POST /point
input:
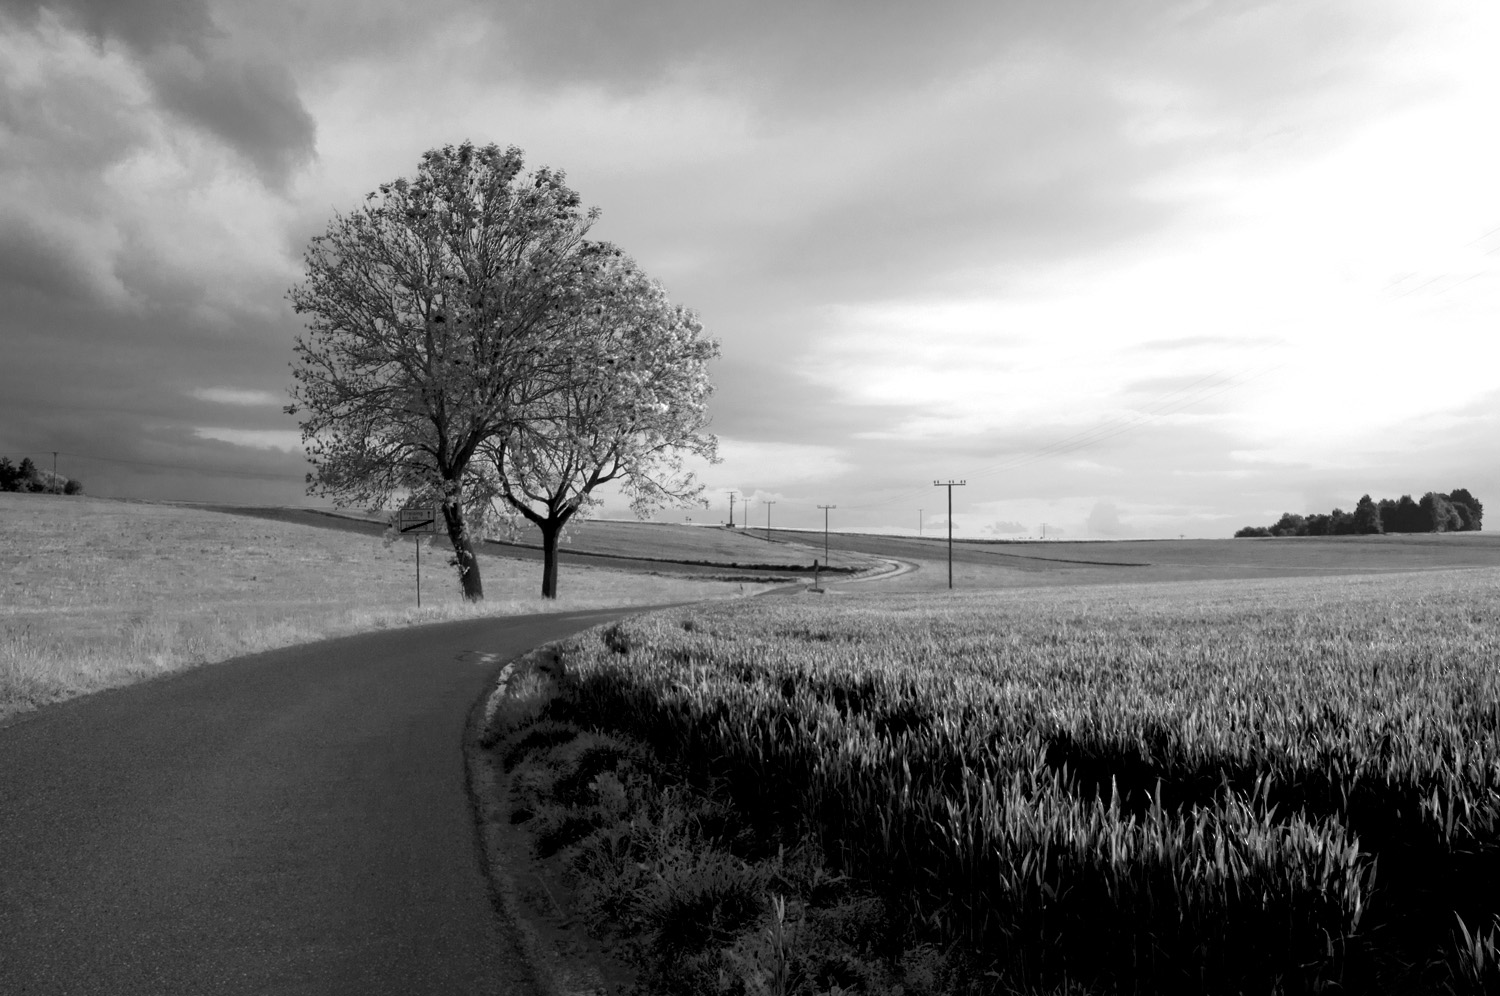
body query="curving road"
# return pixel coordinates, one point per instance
(292, 822)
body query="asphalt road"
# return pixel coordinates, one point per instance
(292, 822)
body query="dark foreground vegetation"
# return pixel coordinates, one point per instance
(1457, 512)
(29, 477)
(1286, 787)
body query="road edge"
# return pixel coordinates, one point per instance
(554, 972)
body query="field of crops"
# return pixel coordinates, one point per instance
(1254, 786)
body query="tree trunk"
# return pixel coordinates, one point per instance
(550, 532)
(463, 552)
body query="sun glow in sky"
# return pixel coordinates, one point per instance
(1130, 270)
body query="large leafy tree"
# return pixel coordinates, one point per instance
(626, 406)
(436, 317)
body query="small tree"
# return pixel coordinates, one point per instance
(1366, 516)
(1469, 508)
(1409, 517)
(28, 478)
(631, 399)
(433, 320)
(1439, 511)
(1290, 524)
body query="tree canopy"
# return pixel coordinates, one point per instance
(458, 350)
(1458, 511)
(629, 401)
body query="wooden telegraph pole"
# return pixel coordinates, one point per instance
(950, 485)
(825, 509)
(768, 520)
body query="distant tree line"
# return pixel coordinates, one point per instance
(1456, 512)
(29, 477)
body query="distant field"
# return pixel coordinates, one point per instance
(96, 592)
(1033, 564)
(673, 541)
(1275, 785)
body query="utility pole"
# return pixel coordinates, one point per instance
(919, 523)
(731, 509)
(54, 464)
(950, 485)
(825, 509)
(768, 520)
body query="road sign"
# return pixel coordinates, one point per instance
(417, 520)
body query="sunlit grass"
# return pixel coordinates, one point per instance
(96, 593)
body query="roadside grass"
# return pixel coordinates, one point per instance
(1287, 785)
(96, 593)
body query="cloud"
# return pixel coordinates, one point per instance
(1104, 520)
(237, 396)
(245, 100)
(285, 440)
(253, 108)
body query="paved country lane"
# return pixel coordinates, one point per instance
(291, 822)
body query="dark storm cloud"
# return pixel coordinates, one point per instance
(249, 103)
(35, 262)
(110, 389)
(141, 24)
(255, 109)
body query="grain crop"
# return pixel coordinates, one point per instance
(1220, 787)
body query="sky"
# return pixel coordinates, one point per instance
(1128, 269)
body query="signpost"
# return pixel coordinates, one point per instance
(418, 521)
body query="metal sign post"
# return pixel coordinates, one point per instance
(418, 521)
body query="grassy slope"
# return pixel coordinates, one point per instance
(98, 592)
(622, 538)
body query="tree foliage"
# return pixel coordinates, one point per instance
(1458, 511)
(435, 314)
(628, 403)
(468, 346)
(29, 477)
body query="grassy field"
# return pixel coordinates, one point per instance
(1283, 785)
(1033, 564)
(712, 544)
(98, 592)
(675, 542)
